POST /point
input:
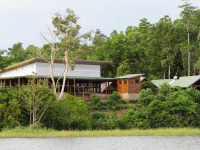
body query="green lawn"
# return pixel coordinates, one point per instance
(26, 132)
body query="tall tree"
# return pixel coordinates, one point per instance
(17, 53)
(67, 29)
(4, 60)
(187, 15)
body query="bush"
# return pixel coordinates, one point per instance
(171, 107)
(95, 99)
(69, 113)
(124, 122)
(165, 89)
(122, 101)
(146, 96)
(36, 125)
(115, 97)
(133, 101)
(11, 114)
(148, 85)
(194, 94)
(102, 121)
(118, 107)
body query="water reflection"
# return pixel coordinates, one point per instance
(103, 143)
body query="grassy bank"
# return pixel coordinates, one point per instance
(26, 132)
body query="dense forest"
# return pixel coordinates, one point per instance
(160, 50)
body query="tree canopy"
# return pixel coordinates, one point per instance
(159, 50)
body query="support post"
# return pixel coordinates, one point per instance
(15, 84)
(74, 87)
(4, 83)
(58, 87)
(22, 81)
(1, 84)
(10, 83)
(100, 88)
(67, 85)
(19, 82)
(106, 87)
(89, 87)
(122, 88)
(83, 92)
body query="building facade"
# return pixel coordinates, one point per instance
(83, 80)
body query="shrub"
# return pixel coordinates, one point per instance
(118, 107)
(115, 97)
(11, 114)
(69, 113)
(95, 99)
(165, 89)
(103, 121)
(36, 125)
(134, 119)
(122, 101)
(133, 101)
(194, 94)
(146, 96)
(124, 122)
(148, 85)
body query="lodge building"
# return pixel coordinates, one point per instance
(83, 81)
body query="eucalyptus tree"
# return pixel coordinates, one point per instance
(67, 30)
(187, 19)
(167, 41)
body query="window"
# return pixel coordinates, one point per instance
(120, 82)
(96, 87)
(124, 81)
(136, 81)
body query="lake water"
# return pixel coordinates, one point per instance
(103, 143)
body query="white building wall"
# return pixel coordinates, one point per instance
(21, 71)
(80, 70)
(43, 69)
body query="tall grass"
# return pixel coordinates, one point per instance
(27, 132)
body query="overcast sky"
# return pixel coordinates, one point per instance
(24, 20)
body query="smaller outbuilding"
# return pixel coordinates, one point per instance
(184, 82)
(129, 85)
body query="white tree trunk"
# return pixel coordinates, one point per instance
(188, 50)
(65, 73)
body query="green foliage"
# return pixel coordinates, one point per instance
(36, 126)
(165, 89)
(103, 121)
(194, 94)
(37, 98)
(69, 113)
(171, 107)
(133, 101)
(114, 102)
(17, 53)
(115, 97)
(10, 113)
(146, 96)
(145, 85)
(95, 99)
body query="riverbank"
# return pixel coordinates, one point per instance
(26, 132)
